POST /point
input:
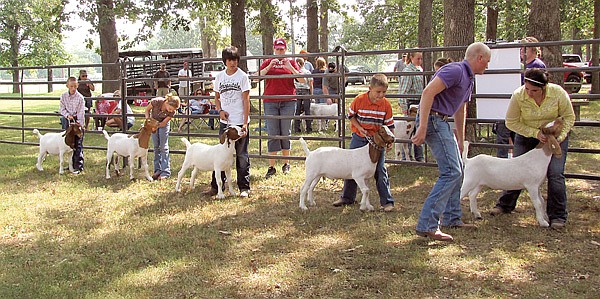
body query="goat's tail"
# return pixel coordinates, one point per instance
(186, 142)
(304, 146)
(465, 153)
(105, 134)
(35, 131)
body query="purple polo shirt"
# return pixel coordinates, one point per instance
(458, 79)
(536, 63)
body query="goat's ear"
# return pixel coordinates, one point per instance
(374, 153)
(554, 146)
(222, 137)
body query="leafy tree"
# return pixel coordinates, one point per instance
(168, 38)
(30, 34)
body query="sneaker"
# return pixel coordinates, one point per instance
(156, 175)
(342, 202)
(557, 224)
(244, 193)
(495, 211)
(270, 172)
(76, 172)
(387, 208)
(285, 168)
(162, 177)
(211, 192)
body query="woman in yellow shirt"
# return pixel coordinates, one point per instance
(532, 105)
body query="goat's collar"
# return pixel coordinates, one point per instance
(373, 143)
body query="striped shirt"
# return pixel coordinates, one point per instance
(410, 84)
(74, 105)
(370, 115)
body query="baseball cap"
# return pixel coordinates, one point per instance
(331, 65)
(279, 43)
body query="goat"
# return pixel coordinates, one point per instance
(58, 144)
(135, 146)
(526, 171)
(218, 158)
(324, 110)
(404, 129)
(336, 163)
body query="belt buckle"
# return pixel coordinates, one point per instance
(445, 118)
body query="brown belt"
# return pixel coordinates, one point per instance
(442, 115)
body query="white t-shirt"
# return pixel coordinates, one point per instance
(230, 89)
(182, 72)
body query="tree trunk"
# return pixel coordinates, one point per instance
(425, 29)
(596, 48)
(109, 46)
(312, 28)
(491, 28)
(324, 28)
(14, 58)
(209, 47)
(575, 33)
(238, 29)
(459, 30)
(544, 24)
(266, 26)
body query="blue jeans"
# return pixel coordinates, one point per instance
(160, 138)
(417, 150)
(78, 150)
(381, 177)
(557, 191)
(242, 163)
(279, 127)
(503, 136)
(443, 202)
(318, 100)
(303, 105)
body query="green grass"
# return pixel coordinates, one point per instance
(87, 237)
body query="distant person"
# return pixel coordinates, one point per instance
(331, 85)
(447, 95)
(72, 109)
(307, 64)
(318, 81)
(116, 121)
(412, 85)
(184, 85)
(85, 88)
(162, 84)
(400, 65)
(303, 105)
(441, 62)
(278, 106)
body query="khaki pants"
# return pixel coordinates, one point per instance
(162, 91)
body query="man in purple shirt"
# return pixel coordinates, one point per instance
(447, 95)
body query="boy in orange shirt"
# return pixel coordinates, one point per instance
(367, 113)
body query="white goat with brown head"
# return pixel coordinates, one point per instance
(58, 144)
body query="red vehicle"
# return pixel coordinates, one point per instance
(573, 79)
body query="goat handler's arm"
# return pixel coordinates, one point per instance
(433, 88)
(165, 121)
(459, 120)
(223, 115)
(246, 115)
(148, 109)
(355, 123)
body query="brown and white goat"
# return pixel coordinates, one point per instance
(526, 171)
(336, 163)
(135, 146)
(206, 157)
(58, 144)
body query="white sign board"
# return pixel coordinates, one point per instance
(490, 108)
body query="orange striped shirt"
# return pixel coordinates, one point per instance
(370, 115)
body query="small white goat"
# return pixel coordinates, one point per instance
(526, 171)
(58, 144)
(324, 110)
(337, 163)
(135, 146)
(404, 129)
(218, 157)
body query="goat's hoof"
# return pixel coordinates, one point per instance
(303, 208)
(477, 216)
(544, 224)
(221, 196)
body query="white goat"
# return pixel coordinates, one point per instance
(135, 146)
(58, 144)
(218, 157)
(324, 110)
(526, 171)
(403, 130)
(337, 163)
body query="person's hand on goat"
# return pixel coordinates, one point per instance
(541, 137)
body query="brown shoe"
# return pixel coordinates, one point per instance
(387, 208)
(156, 175)
(436, 235)
(495, 211)
(211, 192)
(462, 225)
(557, 224)
(342, 202)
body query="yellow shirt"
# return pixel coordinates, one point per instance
(525, 117)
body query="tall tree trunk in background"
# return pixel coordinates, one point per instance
(459, 30)
(14, 59)
(312, 28)
(510, 35)
(575, 34)
(544, 24)
(324, 27)
(238, 29)
(596, 48)
(208, 46)
(266, 26)
(491, 28)
(425, 29)
(109, 46)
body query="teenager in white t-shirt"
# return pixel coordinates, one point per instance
(186, 73)
(232, 100)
